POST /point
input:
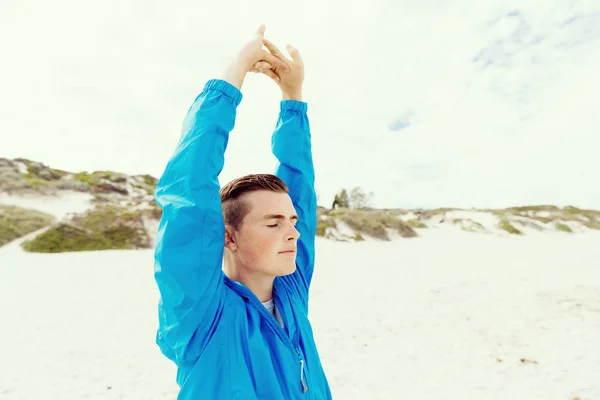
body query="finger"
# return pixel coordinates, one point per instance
(294, 53)
(272, 48)
(271, 74)
(263, 65)
(259, 66)
(274, 61)
(276, 52)
(261, 30)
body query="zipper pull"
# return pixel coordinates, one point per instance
(304, 387)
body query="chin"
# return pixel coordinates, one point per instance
(287, 270)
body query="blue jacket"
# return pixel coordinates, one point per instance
(224, 342)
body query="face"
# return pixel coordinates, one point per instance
(266, 241)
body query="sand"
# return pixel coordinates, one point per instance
(448, 315)
(61, 205)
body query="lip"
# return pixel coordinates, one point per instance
(288, 252)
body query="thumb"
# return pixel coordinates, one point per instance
(260, 32)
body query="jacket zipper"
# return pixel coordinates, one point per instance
(302, 381)
(274, 325)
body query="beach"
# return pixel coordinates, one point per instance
(445, 315)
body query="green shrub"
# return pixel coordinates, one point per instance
(562, 227)
(103, 228)
(543, 220)
(150, 180)
(373, 222)
(504, 224)
(37, 182)
(358, 237)
(16, 222)
(434, 212)
(529, 224)
(415, 223)
(323, 224)
(525, 209)
(472, 226)
(84, 177)
(592, 224)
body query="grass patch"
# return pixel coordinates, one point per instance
(590, 214)
(155, 211)
(415, 223)
(563, 228)
(525, 209)
(84, 177)
(468, 225)
(581, 211)
(472, 226)
(543, 220)
(591, 224)
(36, 170)
(440, 210)
(508, 227)
(16, 222)
(111, 176)
(149, 180)
(59, 172)
(103, 228)
(358, 237)
(529, 224)
(373, 223)
(148, 189)
(323, 224)
(36, 182)
(436, 211)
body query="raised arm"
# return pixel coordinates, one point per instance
(190, 238)
(291, 145)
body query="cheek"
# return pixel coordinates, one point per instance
(259, 248)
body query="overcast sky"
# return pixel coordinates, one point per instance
(500, 100)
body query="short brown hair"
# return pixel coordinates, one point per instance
(234, 207)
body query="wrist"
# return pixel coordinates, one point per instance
(235, 73)
(292, 95)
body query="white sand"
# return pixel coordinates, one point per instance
(424, 318)
(68, 202)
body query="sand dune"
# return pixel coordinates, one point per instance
(445, 316)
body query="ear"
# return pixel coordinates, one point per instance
(229, 239)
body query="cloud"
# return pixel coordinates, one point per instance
(106, 86)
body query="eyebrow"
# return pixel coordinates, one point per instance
(279, 216)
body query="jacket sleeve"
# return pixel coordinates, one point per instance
(190, 238)
(291, 145)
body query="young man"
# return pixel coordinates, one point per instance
(234, 265)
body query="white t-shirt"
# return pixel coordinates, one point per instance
(270, 306)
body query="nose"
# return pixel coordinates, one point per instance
(293, 233)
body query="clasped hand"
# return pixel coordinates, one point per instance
(287, 73)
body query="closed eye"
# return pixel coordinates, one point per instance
(279, 217)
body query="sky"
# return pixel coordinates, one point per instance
(497, 101)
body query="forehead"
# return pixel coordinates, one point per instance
(264, 202)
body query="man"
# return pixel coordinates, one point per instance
(234, 265)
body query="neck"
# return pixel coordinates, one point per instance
(259, 284)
